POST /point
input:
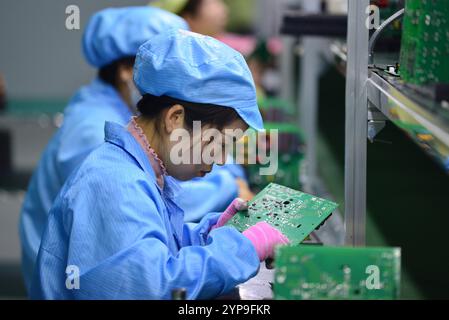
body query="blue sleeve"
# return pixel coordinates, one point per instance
(120, 238)
(196, 234)
(147, 270)
(212, 193)
(236, 170)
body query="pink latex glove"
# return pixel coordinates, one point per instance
(236, 206)
(264, 238)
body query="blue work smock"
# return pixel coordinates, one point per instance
(127, 239)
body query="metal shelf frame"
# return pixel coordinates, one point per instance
(415, 114)
(356, 123)
(373, 97)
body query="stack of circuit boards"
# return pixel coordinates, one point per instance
(425, 42)
(330, 273)
(294, 213)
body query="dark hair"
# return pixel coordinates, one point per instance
(109, 73)
(216, 116)
(191, 8)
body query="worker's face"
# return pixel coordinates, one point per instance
(191, 153)
(127, 88)
(211, 19)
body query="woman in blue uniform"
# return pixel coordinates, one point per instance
(116, 229)
(110, 43)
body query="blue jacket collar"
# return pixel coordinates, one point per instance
(119, 136)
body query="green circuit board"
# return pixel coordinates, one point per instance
(425, 42)
(291, 148)
(287, 174)
(294, 213)
(309, 272)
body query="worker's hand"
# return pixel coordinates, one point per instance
(244, 191)
(236, 206)
(265, 238)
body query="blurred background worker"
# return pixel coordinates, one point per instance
(208, 17)
(212, 17)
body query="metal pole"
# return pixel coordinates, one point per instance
(308, 96)
(288, 90)
(308, 101)
(356, 123)
(287, 62)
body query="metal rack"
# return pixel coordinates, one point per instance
(412, 109)
(373, 97)
(423, 119)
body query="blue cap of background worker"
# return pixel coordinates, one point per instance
(199, 69)
(117, 33)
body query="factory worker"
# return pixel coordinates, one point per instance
(115, 227)
(110, 43)
(208, 17)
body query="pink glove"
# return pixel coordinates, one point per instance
(236, 206)
(264, 238)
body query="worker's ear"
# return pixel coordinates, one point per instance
(174, 118)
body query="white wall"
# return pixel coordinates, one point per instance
(39, 57)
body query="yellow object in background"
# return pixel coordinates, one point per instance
(174, 6)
